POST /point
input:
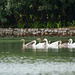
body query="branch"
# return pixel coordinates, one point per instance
(19, 14)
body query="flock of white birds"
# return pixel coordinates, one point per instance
(46, 44)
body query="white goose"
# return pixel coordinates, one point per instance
(26, 45)
(34, 44)
(70, 43)
(37, 46)
(52, 45)
(63, 45)
(40, 45)
(46, 44)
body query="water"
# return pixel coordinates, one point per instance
(16, 61)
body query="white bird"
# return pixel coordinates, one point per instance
(52, 45)
(71, 44)
(40, 45)
(46, 44)
(34, 44)
(37, 46)
(63, 45)
(26, 45)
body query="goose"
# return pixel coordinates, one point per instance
(26, 45)
(40, 45)
(37, 46)
(46, 44)
(52, 45)
(64, 45)
(34, 44)
(70, 43)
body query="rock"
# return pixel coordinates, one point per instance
(24, 32)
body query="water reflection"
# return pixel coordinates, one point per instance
(14, 60)
(71, 47)
(53, 49)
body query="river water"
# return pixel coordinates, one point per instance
(16, 61)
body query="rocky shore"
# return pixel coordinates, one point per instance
(24, 32)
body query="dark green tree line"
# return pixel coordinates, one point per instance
(37, 13)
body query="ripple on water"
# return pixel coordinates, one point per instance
(39, 67)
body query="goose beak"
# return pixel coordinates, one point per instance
(37, 39)
(69, 40)
(21, 40)
(33, 41)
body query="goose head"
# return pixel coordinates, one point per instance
(23, 40)
(70, 41)
(45, 39)
(39, 40)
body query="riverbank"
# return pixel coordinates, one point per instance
(31, 32)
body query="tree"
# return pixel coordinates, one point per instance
(37, 13)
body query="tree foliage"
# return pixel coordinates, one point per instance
(37, 13)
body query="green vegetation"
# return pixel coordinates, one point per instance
(37, 13)
(28, 39)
